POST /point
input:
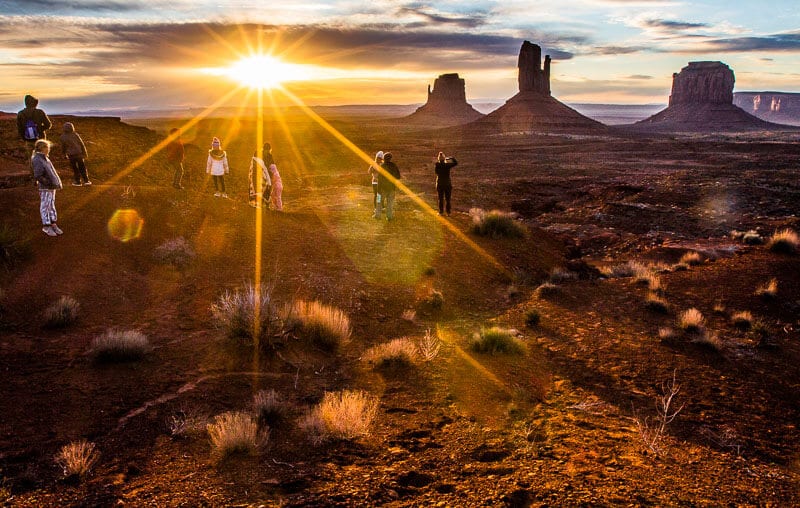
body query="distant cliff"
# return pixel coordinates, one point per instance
(447, 104)
(780, 107)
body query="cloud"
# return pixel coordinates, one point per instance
(617, 50)
(473, 20)
(49, 6)
(789, 41)
(639, 76)
(672, 26)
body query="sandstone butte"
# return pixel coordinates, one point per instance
(446, 105)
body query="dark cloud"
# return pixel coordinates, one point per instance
(617, 50)
(777, 42)
(639, 76)
(61, 6)
(435, 18)
(671, 25)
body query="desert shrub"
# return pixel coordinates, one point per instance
(768, 289)
(185, 423)
(691, 258)
(546, 289)
(532, 318)
(752, 238)
(235, 313)
(719, 309)
(496, 340)
(76, 459)
(429, 271)
(62, 313)
(680, 267)
(495, 224)
(429, 346)
(691, 320)
(13, 246)
(270, 407)
(433, 301)
(742, 320)
(235, 432)
(707, 339)
(320, 325)
(120, 346)
(666, 334)
(560, 275)
(628, 269)
(656, 303)
(784, 241)
(393, 355)
(177, 252)
(340, 415)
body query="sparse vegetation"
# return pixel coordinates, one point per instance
(547, 289)
(719, 309)
(768, 290)
(235, 433)
(785, 241)
(742, 320)
(270, 407)
(77, 459)
(177, 252)
(496, 340)
(561, 275)
(235, 312)
(396, 354)
(532, 318)
(433, 301)
(340, 415)
(62, 313)
(320, 325)
(680, 267)
(653, 430)
(630, 268)
(691, 320)
(656, 303)
(691, 258)
(666, 334)
(752, 238)
(184, 423)
(429, 346)
(120, 346)
(409, 315)
(707, 339)
(495, 224)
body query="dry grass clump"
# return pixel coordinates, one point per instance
(655, 303)
(235, 312)
(76, 459)
(320, 325)
(691, 258)
(429, 346)
(784, 241)
(235, 433)
(495, 224)
(496, 340)
(532, 318)
(680, 267)
(177, 252)
(270, 407)
(561, 275)
(340, 415)
(397, 354)
(666, 334)
(409, 315)
(62, 313)
(547, 289)
(186, 423)
(433, 301)
(706, 339)
(691, 321)
(742, 320)
(751, 237)
(719, 309)
(120, 346)
(768, 289)
(628, 269)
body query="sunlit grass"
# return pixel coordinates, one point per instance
(235, 433)
(495, 224)
(120, 346)
(63, 312)
(320, 325)
(785, 241)
(77, 458)
(343, 415)
(396, 354)
(235, 312)
(691, 320)
(496, 340)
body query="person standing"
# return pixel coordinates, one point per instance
(258, 169)
(75, 151)
(32, 122)
(444, 186)
(387, 184)
(48, 181)
(276, 191)
(175, 156)
(373, 172)
(217, 167)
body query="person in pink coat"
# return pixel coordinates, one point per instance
(275, 177)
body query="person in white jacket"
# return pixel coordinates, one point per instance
(258, 169)
(217, 167)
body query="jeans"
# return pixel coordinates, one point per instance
(219, 183)
(444, 192)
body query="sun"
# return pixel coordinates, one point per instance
(266, 71)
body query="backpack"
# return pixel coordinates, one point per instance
(31, 132)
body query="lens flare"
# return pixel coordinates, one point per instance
(125, 225)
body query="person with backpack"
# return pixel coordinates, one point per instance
(48, 181)
(75, 152)
(32, 122)
(217, 167)
(386, 185)
(444, 186)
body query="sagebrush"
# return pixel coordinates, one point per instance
(235, 433)
(496, 224)
(77, 458)
(236, 311)
(341, 415)
(62, 313)
(120, 346)
(318, 324)
(496, 340)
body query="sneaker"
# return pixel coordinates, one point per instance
(87, 182)
(57, 229)
(217, 194)
(224, 195)
(48, 230)
(178, 186)
(76, 184)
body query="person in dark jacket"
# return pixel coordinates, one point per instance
(444, 186)
(32, 123)
(175, 156)
(386, 185)
(48, 181)
(75, 152)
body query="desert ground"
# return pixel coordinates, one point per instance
(569, 419)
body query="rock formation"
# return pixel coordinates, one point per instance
(778, 107)
(533, 109)
(702, 100)
(447, 103)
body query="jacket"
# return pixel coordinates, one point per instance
(32, 113)
(72, 144)
(384, 183)
(257, 166)
(442, 170)
(175, 151)
(44, 172)
(217, 163)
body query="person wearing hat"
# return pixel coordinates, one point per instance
(217, 167)
(373, 172)
(386, 185)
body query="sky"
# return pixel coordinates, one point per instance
(79, 55)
